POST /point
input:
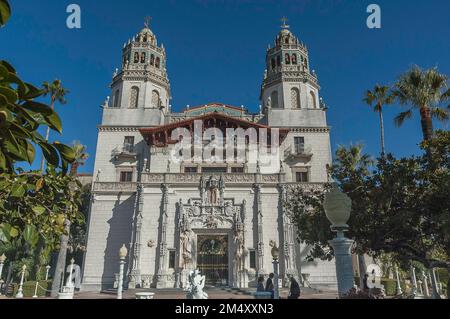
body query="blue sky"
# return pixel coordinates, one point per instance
(216, 53)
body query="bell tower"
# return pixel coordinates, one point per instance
(289, 83)
(141, 87)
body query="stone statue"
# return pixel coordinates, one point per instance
(75, 278)
(195, 286)
(269, 102)
(187, 246)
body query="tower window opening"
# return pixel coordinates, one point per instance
(116, 99)
(157, 62)
(286, 40)
(294, 59)
(152, 59)
(274, 99)
(134, 97)
(273, 63)
(155, 99)
(312, 100)
(295, 98)
(287, 58)
(136, 57)
(143, 57)
(278, 60)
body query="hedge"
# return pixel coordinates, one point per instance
(30, 286)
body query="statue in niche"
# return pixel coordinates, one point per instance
(229, 211)
(213, 191)
(269, 102)
(196, 211)
(186, 244)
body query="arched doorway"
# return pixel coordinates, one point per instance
(212, 258)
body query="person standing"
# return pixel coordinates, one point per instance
(260, 287)
(294, 291)
(269, 285)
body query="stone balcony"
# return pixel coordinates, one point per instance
(298, 152)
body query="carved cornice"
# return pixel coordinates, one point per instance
(118, 128)
(311, 130)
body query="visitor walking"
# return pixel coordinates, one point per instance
(269, 285)
(294, 291)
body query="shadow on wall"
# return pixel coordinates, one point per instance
(120, 230)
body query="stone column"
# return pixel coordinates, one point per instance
(425, 284)
(135, 279)
(288, 242)
(414, 280)
(162, 267)
(434, 285)
(260, 265)
(344, 265)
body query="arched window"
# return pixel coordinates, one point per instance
(286, 40)
(145, 38)
(274, 99)
(295, 98)
(157, 62)
(312, 100)
(116, 99)
(294, 59)
(152, 59)
(278, 60)
(287, 58)
(136, 57)
(143, 57)
(155, 99)
(273, 63)
(134, 97)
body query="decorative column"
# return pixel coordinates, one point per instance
(162, 267)
(47, 270)
(337, 207)
(134, 273)
(434, 285)
(275, 255)
(261, 270)
(122, 255)
(19, 294)
(290, 268)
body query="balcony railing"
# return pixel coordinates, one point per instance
(125, 150)
(298, 151)
(114, 187)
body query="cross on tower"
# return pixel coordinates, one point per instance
(147, 21)
(284, 25)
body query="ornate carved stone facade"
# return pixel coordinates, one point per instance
(216, 217)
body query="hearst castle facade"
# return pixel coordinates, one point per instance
(219, 218)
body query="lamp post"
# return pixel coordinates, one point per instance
(19, 294)
(2, 262)
(123, 252)
(337, 207)
(275, 254)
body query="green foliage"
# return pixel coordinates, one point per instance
(5, 12)
(20, 119)
(399, 206)
(390, 286)
(30, 286)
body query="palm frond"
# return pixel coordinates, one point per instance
(440, 114)
(402, 117)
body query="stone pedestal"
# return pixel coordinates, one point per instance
(344, 266)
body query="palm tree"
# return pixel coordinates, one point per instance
(423, 90)
(379, 97)
(80, 157)
(57, 94)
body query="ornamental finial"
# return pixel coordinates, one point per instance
(284, 25)
(147, 21)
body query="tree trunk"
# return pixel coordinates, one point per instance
(47, 136)
(61, 263)
(383, 150)
(74, 169)
(427, 123)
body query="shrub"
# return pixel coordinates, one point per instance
(390, 286)
(30, 286)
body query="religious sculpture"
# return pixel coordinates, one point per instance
(195, 286)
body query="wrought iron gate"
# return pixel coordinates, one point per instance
(212, 259)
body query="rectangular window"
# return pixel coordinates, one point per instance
(238, 170)
(299, 144)
(301, 177)
(126, 177)
(172, 259)
(209, 170)
(252, 254)
(128, 143)
(190, 170)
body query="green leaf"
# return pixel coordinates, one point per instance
(9, 94)
(31, 152)
(2, 160)
(3, 237)
(50, 153)
(30, 235)
(54, 122)
(13, 232)
(39, 210)
(37, 107)
(8, 66)
(5, 12)
(4, 74)
(65, 151)
(20, 153)
(32, 92)
(17, 190)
